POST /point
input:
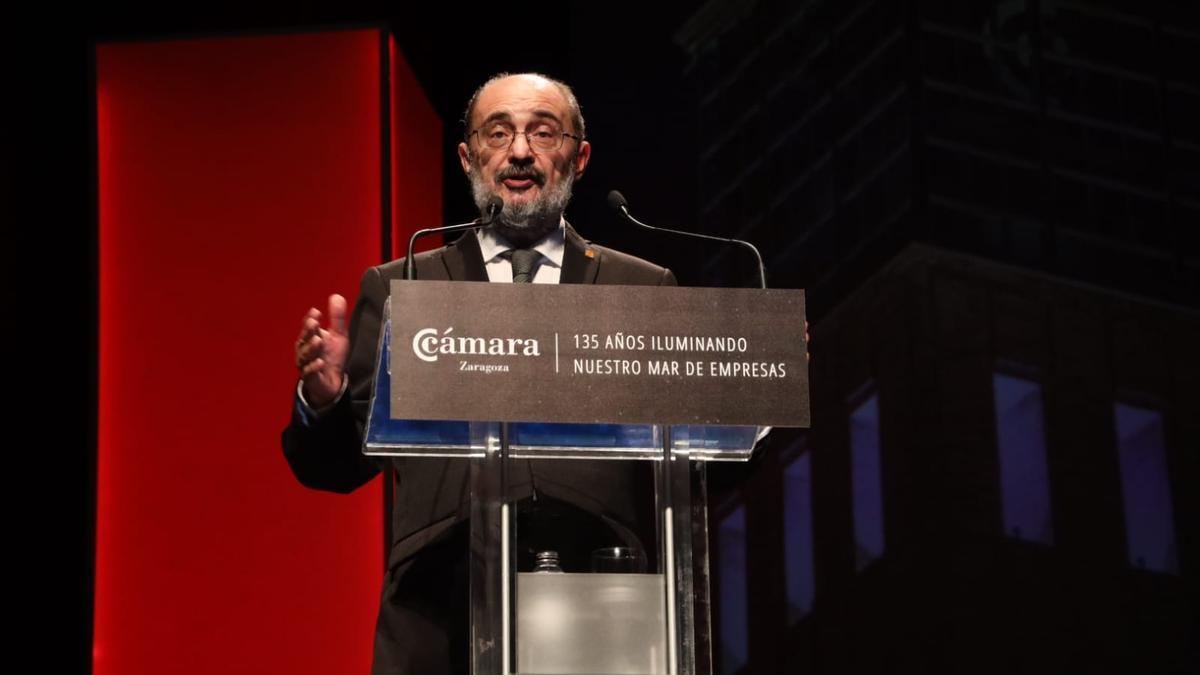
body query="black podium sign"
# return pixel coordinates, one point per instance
(598, 354)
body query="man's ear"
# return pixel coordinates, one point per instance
(464, 157)
(582, 157)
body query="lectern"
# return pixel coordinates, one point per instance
(619, 618)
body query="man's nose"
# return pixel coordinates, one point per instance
(519, 148)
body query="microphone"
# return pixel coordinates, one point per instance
(617, 201)
(494, 206)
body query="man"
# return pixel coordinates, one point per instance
(525, 143)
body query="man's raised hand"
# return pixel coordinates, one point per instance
(321, 353)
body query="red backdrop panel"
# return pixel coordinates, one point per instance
(239, 183)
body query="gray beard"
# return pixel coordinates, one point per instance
(524, 224)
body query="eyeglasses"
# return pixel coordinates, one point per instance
(542, 138)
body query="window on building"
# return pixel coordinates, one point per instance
(1024, 477)
(1149, 521)
(798, 537)
(866, 482)
(731, 568)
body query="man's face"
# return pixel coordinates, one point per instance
(534, 185)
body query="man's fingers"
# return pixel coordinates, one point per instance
(308, 327)
(337, 314)
(308, 350)
(310, 344)
(312, 367)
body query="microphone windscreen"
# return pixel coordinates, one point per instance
(494, 206)
(617, 200)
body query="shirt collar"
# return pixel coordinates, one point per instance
(492, 245)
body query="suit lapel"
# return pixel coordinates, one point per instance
(463, 260)
(581, 262)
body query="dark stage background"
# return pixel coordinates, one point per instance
(994, 206)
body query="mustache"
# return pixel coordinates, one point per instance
(521, 172)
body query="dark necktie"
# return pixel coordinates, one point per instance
(523, 262)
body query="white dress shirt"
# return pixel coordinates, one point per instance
(499, 267)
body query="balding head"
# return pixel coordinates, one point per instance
(536, 79)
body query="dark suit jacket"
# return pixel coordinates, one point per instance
(431, 494)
